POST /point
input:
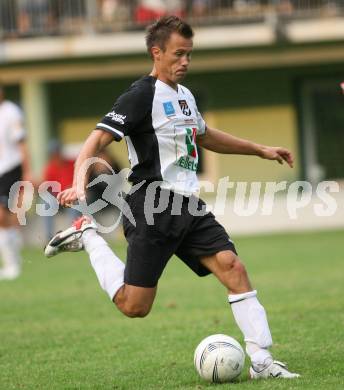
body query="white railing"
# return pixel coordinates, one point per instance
(27, 18)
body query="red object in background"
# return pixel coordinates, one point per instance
(342, 86)
(145, 15)
(61, 171)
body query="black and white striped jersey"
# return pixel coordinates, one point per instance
(160, 125)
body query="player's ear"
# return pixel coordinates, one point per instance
(156, 52)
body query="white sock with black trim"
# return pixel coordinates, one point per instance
(108, 267)
(251, 318)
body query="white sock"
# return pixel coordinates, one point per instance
(10, 251)
(250, 316)
(108, 267)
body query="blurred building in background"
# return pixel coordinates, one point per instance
(268, 70)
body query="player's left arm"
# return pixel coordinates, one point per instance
(221, 142)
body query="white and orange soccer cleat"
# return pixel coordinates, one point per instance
(69, 240)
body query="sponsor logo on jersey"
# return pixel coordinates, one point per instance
(184, 107)
(190, 161)
(190, 141)
(169, 109)
(116, 117)
(187, 163)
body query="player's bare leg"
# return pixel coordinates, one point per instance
(248, 313)
(4, 217)
(135, 301)
(131, 300)
(226, 266)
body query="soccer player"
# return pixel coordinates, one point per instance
(161, 124)
(14, 166)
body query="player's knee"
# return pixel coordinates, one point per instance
(239, 267)
(229, 261)
(136, 310)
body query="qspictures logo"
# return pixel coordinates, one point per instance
(241, 198)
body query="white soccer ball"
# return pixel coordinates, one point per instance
(219, 358)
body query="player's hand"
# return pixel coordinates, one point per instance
(279, 154)
(70, 196)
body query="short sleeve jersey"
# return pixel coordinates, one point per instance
(160, 125)
(11, 132)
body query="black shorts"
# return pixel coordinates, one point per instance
(151, 246)
(6, 182)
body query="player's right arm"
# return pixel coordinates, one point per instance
(96, 142)
(124, 119)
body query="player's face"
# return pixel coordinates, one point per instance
(172, 63)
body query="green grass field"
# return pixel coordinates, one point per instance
(58, 329)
